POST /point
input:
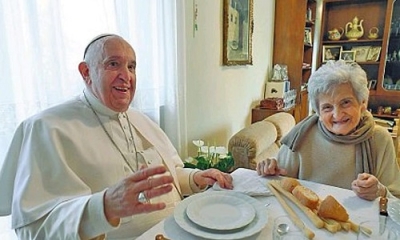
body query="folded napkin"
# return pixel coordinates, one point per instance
(248, 182)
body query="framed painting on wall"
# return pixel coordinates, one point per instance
(237, 32)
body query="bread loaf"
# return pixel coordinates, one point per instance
(331, 208)
(306, 196)
(289, 183)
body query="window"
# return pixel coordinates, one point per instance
(42, 44)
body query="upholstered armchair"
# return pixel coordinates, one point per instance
(260, 140)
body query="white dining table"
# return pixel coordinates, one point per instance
(358, 209)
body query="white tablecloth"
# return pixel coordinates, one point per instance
(358, 209)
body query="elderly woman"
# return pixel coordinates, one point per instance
(340, 144)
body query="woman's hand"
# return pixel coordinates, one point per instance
(210, 176)
(367, 186)
(270, 167)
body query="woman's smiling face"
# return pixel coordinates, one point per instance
(340, 111)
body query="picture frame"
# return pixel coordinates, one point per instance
(361, 53)
(373, 53)
(372, 84)
(237, 32)
(331, 52)
(308, 36)
(348, 56)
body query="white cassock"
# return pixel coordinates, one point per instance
(61, 161)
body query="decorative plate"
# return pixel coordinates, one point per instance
(220, 212)
(252, 228)
(394, 210)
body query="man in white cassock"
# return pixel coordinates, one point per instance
(92, 167)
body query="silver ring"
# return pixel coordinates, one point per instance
(142, 198)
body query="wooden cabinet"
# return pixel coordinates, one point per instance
(372, 15)
(259, 114)
(293, 46)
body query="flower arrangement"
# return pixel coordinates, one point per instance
(210, 157)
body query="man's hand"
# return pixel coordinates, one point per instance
(367, 186)
(212, 175)
(269, 167)
(121, 200)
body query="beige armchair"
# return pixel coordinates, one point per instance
(260, 140)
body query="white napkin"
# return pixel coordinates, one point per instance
(247, 182)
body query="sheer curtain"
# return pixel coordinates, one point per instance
(42, 42)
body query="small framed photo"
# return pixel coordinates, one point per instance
(308, 36)
(373, 53)
(348, 56)
(331, 52)
(361, 53)
(372, 84)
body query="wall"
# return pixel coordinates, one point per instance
(219, 98)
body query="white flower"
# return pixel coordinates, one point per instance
(210, 151)
(198, 143)
(221, 150)
(191, 160)
(204, 149)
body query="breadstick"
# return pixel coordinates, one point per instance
(318, 223)
(331, 225)
(334, 222)
(296, 220)
(345, 225)
(356, 228)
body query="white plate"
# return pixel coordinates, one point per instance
(220, 212)
(252, 228)
(394, 210)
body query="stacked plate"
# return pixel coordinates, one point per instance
(221, 215)
(394, 210)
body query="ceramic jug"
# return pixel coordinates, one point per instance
(373, 33)
(335, 34)
(354, 29)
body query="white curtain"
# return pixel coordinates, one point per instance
(42, 42)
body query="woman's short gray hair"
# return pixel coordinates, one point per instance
(334, 73)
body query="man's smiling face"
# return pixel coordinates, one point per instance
(113, 79)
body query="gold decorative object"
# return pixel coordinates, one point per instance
(335, 34)
(354, 29)
(373, 33)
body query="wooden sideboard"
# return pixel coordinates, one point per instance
(258, 114)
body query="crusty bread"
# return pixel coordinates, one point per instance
(289, 183)
(331, 208)
(306, 196)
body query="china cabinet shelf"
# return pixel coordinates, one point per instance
(371, 15)
(385, 116)
(356, 42)
(310, 23)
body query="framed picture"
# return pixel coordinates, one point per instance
(361, 53)
(373, 53)
(308, 36)
(372, 84)
(331, 52)
(237, 32)
(348, 56)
